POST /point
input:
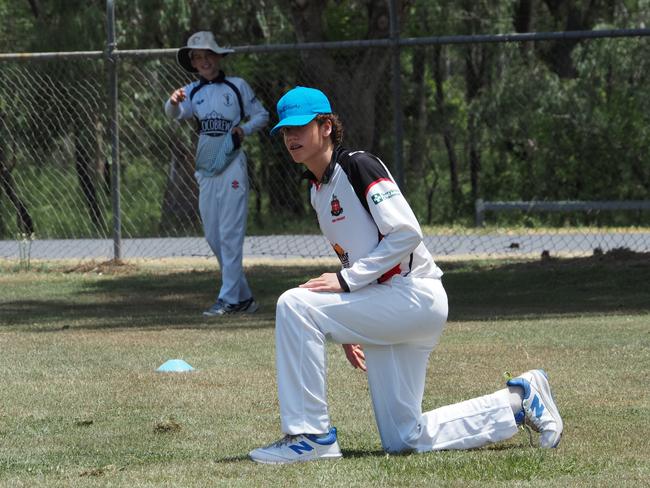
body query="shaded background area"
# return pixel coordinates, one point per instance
(109, 296)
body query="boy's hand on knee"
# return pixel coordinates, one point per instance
(325, 282)
(355, 355)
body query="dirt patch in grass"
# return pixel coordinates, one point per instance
(166, 426)
(111, 267)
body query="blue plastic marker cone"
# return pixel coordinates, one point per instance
(174, 366)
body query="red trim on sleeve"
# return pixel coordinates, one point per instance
(374, 183)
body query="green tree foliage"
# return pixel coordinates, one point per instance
(562, 119)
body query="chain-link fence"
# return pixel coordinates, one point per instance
(505, 140)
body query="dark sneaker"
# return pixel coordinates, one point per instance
(223, 308)
(248, 306)
(220, 308)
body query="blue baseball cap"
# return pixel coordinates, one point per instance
(301, 105)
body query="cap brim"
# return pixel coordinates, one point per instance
(183, 56)
(293, 121)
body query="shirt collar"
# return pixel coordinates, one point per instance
(327, 175)
(221, 76)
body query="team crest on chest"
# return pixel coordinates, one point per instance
(227, 99)
(336, 206)
(234, 184)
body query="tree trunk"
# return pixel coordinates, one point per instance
(84, 169)
(440, 77)
(277, 176)
(431, 192)
(522, 21)
(478, 59)
(571, 16)
(415, 168)
(180, 202)
(474, 157)
(475, 79)
(351, 79)
(282, 180)
(23, 218)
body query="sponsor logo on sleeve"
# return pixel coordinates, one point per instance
(379, 197)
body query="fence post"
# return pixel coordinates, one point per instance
(397, 92)
(111, 63)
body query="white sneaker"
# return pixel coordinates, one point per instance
(298, 448)
(540, 411)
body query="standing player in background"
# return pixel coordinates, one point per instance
(226, 111)
(387, 306)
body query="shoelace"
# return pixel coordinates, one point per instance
(524, 426)
(286, 440)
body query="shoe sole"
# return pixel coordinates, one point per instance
(208, 314)
(327, 457)
(251, 309)
(544, 388)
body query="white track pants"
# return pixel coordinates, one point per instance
(398, 323)
(223, 205)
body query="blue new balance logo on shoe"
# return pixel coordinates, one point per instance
(536, 406)
(319, 440)
(301, 447)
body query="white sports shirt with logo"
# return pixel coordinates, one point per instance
(368, 222)
(217, 109)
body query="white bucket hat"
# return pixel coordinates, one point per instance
(199, 40)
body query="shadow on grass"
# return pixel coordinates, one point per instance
(377, 453)
(607, 284)
(347, 454)
(477, 291)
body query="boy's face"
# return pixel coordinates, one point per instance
(206, 62)
(306, 143)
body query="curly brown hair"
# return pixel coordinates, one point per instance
(337, 127)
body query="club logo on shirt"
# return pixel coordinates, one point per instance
(234, 184)
(227, 99)
(336, 206)
(344, 257)
(377, 198)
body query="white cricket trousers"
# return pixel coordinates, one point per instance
(398, 323)
(223, 205)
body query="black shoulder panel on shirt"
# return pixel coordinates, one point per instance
(362, 169)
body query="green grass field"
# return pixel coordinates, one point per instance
(82, 405)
